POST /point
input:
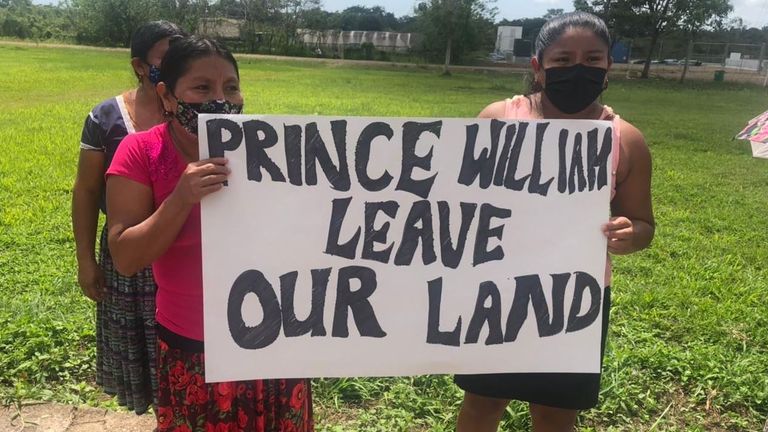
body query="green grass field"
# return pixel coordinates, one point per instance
(688, 344)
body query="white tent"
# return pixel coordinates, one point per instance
(759, 150)
(756, 132)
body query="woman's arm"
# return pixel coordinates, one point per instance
(632, 226)
(138, 234)
(86, 195)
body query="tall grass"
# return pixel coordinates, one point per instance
(688, 344)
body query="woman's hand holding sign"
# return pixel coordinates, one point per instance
(139, 234)
(634, 229)
(620, 232)
(201, 178)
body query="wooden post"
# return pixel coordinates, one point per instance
(661, 47)
(765, 83)
(687, 59)
(446, 71)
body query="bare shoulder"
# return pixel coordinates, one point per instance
(633, 145)
(495, 110)
(632, 140)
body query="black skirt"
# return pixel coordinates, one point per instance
(576, 391)
(125, 335)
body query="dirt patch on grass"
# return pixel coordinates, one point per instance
(53, 417)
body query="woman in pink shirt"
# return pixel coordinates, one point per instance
(571, 71)
(154, 188)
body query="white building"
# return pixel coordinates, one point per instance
(336, 39)
(223, 28)
(738, 61)
(506, 37)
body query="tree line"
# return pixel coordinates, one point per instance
(265, 25)
(679, 20)
(452, 31)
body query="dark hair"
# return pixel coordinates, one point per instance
(147, 35)
(555, 27)
(183, 50)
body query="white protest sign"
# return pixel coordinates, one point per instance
(347, 246)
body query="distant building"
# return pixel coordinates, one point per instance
(331, 40)
(221, 28)
(506, 37)
(523, 48)
(620, 52)
(737, 60)
(324, 40)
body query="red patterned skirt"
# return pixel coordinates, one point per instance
(186, 403)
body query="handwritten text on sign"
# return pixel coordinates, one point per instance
(381, 246)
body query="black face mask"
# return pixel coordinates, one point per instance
(573, 88)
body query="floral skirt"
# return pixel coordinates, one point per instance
(186, 403)
(125, 335)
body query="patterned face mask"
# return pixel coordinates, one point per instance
(154, 74)
(186, 113)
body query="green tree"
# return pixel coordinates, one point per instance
(112, 22)
(653, 18)
(16, 18)
(455, 26)
(618, 15)
(319, 19)
(292, 15)
(25, 20)
(258, 16)
(701, 14)
(551, 13)
(185, 13)
(407, 24)
(367, 19)
(362, 18)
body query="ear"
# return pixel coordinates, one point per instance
(168, 100)
(535, 64)
(139, 68)
(538, 71)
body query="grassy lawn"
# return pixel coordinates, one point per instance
(688, 344)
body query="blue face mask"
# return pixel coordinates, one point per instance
(154, 74)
